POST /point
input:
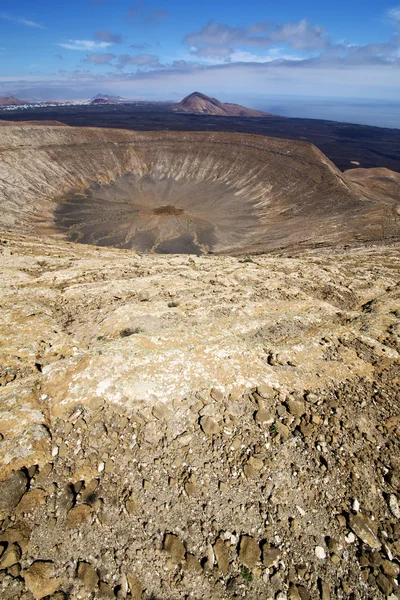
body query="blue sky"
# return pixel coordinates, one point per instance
(232, 50)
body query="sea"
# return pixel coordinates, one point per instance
(379, 113)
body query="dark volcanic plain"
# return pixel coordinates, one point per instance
(343, 143)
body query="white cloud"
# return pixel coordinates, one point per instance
(22, 21)
(299, 35)
(240, 56)
(84, 45)
(394, 14)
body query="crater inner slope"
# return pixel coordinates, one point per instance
(179, 192)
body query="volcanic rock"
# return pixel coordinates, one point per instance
(362, 528)
(249, 552)
(175, 547)
(205, 105)
(40, 580)
(11, 492)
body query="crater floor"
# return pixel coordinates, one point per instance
(164, 216)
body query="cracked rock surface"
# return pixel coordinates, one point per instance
(198, 427)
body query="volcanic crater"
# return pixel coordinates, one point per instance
(206, 427)
(194, 193)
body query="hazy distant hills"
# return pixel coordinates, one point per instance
(98, 99)
(106, 99)
(202, 104)
(196, 103)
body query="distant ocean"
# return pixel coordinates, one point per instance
(378, 113)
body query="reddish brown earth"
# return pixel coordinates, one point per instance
(11, 100)
(202, 104)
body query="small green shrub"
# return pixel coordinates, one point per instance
(273, 430)
(246, 574)
(173, 304)
(128, 331)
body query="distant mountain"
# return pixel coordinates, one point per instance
(11, 101)
(202, 104)
(106, 99)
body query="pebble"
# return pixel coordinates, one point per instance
(390, 569)
(362, 528)
(384, 584)
(79, 515)
(209, 425)
(64, 500)
(249, 552)
(192, 564)
(271, 557)
(217, 394)
(283, 430)
(40, 580)
(11, 492)
(293, 593)
(265, 391)
(296, 407)
(324, 590)
(320, 552)
(143, 296)
(222, 555)
(106, 591)
(135, 586)
(304, 593)
(394, 506)
(175, 547)
(88, 575)
(264, 417)
(10, 557)
(191, 488)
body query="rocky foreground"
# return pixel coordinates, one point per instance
(210, 427)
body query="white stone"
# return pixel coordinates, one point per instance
(394, 506)
(320, 552)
